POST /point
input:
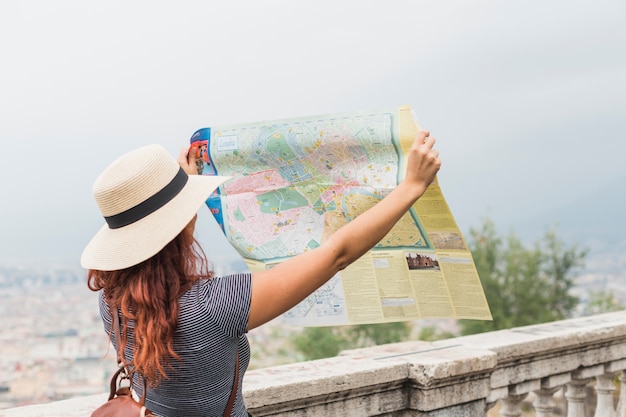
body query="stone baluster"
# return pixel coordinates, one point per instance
(621, 405)
(544, 401)
(604, 391)
(576, 395)
(488, 406)
(511, 405)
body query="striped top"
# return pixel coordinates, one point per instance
(212, 324)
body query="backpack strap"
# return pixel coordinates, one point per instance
(121, 363)
(123, 368)
(233, 392)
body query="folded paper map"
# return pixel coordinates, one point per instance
(296, 181)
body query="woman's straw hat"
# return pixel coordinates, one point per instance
(146, 199)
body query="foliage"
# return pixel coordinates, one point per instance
(324, 342)
(319, 342)
(432, 333)
(523, 285)
(601, 302)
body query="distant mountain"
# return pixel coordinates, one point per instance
(597, 214)
(36, 276)
(596, 221)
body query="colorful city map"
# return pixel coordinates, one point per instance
(297, 181)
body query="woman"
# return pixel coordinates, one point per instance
(186, 328)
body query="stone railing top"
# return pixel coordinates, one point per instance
(543, 338)
(495, 361)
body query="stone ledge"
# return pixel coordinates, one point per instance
(422, 377)
(75, 407)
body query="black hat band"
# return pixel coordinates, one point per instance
(151, 204)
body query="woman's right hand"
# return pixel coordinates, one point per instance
(423, 163)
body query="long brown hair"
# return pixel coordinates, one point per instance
(148, 294)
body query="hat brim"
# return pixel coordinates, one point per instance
(114, 249)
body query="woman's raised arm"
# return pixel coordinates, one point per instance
(276, 290)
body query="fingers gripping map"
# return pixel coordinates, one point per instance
(296, 181)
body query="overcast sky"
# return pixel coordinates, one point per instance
(527, 98)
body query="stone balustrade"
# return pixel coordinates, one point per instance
(467, 376)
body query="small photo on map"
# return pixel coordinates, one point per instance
(416, 260)
(203, 159)
(447, 240)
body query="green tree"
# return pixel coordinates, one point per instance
(601, 302)
(432, 333)
(364, 335)
(523, 285)
(324, 342)
(319, 342)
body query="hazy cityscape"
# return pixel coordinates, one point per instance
(53, 345)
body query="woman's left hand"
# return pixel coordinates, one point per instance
(187, 160)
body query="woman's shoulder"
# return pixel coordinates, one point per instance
(234, 283)
(105, 310)
(221, 300)
(236, 278)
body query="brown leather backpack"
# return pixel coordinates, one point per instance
(121, 402)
